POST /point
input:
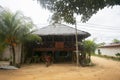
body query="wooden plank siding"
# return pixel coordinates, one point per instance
(58, 46)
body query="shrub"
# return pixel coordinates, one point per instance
(118, 55)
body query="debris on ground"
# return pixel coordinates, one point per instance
(7, 67)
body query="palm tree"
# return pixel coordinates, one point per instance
(89, 47)
(14, 28)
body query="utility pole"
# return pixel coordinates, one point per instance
(76, 37)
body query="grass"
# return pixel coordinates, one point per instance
(107, 57)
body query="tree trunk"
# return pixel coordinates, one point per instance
(13, 51)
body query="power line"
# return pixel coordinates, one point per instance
(100, 26)
(89, 26)
(97, 29)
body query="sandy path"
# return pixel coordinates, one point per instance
(104, 70)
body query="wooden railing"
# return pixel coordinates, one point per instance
(56, 45)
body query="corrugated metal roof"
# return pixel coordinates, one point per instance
(111, 45)
(59, 29)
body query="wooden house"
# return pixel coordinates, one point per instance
(58, 40)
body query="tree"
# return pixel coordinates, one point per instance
(89, 48)
(116, 41)
(101, 44)
(15, 28)
(65, 9)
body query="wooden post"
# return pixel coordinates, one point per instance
(77, 53)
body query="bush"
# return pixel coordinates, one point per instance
(110, 57)
(118, 54)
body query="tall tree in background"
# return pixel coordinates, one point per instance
(101, 44)
(14, 29)
(116, 41)
(65, 9)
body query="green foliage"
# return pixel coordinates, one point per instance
(15, 29)
(89, 46)
(13, 26)
(118, 55)
(107, 57)
(101, 44)
(65, 9)
(116, 41)
(32, 38)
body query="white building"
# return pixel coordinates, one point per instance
(109, 50)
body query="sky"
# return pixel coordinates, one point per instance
(103, 26)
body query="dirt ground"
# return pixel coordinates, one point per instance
(104, 69)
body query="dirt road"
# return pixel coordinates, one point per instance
(103, 70)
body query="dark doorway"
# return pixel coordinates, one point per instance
(62, 56)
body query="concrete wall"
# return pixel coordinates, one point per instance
(18, 53)
(110, 51)
(8, 53)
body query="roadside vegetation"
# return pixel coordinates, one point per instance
(116, 58)
(88, 47)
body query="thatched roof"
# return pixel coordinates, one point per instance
(59, 29)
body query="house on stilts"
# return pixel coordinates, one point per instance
(58, 40)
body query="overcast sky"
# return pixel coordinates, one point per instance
(104, 26)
